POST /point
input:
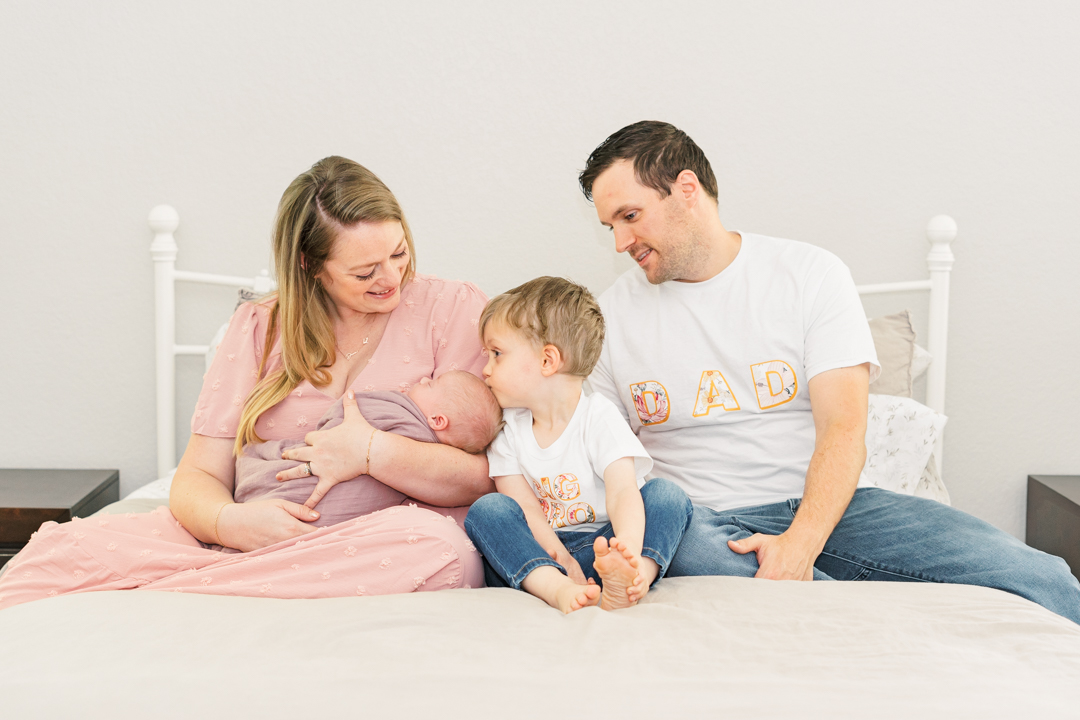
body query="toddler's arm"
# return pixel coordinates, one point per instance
(517, 487)
(624, 505)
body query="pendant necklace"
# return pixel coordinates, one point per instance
(349, 355)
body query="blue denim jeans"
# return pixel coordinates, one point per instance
(887, 536)
(497, 525)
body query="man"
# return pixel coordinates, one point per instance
(743, 363)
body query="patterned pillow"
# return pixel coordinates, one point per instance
(900, 437)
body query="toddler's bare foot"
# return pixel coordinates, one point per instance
(617, 568)
(571, 597)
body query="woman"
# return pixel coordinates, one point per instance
(349, 315)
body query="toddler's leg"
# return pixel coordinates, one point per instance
(626, 578)
(497, 525)
(396, 550)
(619, 571)
(106, 552)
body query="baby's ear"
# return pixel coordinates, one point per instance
(438, 423)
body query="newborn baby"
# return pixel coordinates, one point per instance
(456, 408)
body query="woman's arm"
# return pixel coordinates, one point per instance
(201, 498)
(432, 473)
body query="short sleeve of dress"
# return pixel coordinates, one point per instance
(502, 456)
(232, 375)
(456, 341)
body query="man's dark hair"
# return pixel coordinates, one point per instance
(660, 152)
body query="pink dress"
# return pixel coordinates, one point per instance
(400, 549)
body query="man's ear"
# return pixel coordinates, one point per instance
(687, 187)
(551, 360)
(438, 422)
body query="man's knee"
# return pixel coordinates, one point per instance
(704, 548)
(659, 492)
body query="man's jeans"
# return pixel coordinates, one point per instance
(888, 536)
(497, 525)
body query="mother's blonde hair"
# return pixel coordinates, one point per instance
(335, 193)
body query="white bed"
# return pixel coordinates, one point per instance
(696, 647)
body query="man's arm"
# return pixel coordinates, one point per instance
(838, 400)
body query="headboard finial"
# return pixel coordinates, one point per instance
(941, 230)
(164, 219)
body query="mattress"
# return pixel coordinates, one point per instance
(695, 647)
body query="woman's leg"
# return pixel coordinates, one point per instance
(396, 550)
(400, 549)
(497, 525)
(105, 552)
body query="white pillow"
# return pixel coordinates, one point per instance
(157, 490)
(900, 437)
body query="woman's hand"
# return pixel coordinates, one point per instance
(335, 455)
(259, 523)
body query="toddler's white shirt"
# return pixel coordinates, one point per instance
(568, 476)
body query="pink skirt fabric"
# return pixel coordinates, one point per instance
(397, 550)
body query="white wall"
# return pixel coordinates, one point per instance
(846, 124)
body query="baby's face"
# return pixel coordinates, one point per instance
(431, 396)
(459, 408)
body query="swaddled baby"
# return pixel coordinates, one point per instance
(456, 408)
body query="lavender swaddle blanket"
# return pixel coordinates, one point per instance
(387, 411)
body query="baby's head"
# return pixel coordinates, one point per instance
(542, 314)
(460, 409)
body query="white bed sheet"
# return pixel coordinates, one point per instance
(697, 647)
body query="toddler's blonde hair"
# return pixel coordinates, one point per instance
(553, 311)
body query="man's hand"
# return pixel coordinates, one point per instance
(780, 557)
(838, 400)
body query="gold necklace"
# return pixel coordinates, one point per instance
(349, 355)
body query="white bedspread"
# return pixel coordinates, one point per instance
(696, 648)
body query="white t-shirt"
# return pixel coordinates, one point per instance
(712, 376)
(568, 475)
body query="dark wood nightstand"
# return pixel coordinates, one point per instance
(1053, 516)
(30, 497)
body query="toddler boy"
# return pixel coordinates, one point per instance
(569, 513)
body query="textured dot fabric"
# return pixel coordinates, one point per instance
(432, 330)
(398, 550)
(404, 548)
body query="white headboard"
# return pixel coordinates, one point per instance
(164, 220)
(941, 231)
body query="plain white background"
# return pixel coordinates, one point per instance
(845, 124)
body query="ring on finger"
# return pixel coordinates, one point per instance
(307, 469)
